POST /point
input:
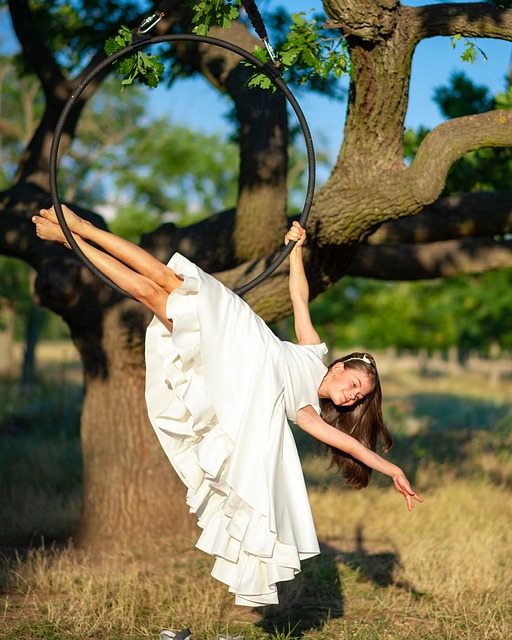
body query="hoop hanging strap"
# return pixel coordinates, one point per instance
(164, 8)
(255, 18)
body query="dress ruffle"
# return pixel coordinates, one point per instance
(251, 554)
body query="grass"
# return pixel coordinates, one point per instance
(40, 460)
(441, 572)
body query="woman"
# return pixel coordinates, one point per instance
(220, 388)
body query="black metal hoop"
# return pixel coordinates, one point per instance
(268, 69)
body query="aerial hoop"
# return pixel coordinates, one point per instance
(267, 68)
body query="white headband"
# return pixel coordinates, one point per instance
(364, 358)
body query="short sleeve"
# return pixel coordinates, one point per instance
(304, 372)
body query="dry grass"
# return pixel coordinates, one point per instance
(442, 572)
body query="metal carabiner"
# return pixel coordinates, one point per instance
(270, 51)
(149, 22)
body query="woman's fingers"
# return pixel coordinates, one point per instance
(296, 233)
(403, 486)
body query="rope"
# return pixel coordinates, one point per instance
(266, 68)
(168, 6)
(255, 17)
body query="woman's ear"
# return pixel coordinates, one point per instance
(338, 367)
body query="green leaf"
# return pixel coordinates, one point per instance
(471, 50)
(138, 66)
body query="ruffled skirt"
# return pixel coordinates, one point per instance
(215, 398)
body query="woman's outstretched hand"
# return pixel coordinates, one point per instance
(297, 234)
(402, 485)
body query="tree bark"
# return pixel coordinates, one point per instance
(431, 260)
(131, 494)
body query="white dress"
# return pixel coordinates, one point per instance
(219, 391)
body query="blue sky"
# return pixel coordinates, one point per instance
(194, 103)
(434, 62)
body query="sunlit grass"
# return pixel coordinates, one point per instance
(442, 572)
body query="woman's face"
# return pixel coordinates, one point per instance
(347, 386)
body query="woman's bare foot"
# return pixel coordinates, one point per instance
(74, 222)
(48, 230)
(48, 227)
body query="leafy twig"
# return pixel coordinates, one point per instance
(471, 50)
(140, 66)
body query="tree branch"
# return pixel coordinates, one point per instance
(469, 215)
(448, 142)
(431, 260)
(33, 45)
(473, 20)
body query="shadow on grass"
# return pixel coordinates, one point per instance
(40, 462)
(375, 567)
(308, 601)
(317, 596)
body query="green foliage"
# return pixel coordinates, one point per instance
(412, 141)
(40, 459)
(461, 97)
(306, 48)
(211, 13)
(139, 66)
(15, 287)
(471, 312)
(504, 100)
(74, 30)
(99, 149)
(312, 57)
(148, 172)
(471, 50)
(21, 108)
(148, 69)
(484, 169)
(174, 174)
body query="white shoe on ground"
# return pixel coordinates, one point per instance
(184, 634)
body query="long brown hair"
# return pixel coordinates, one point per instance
(363, 421)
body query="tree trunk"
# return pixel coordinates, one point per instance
(29, 356)
(130, 491)
(131, 494)
(7, 358)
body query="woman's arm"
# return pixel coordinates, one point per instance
(299, 289)
(312, 423)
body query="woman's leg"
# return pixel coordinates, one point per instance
(145, 289)
(130, 254)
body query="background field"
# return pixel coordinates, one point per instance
(441, 572)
